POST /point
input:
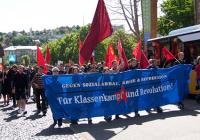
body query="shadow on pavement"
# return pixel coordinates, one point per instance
(6, 108)
(12, 116)
(34, 116)
(101, 130)
(55, 131)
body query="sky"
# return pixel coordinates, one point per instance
(39, 14)
(18, 15)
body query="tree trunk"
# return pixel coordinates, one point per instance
(128, 11)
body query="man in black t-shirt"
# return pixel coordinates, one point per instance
(20, 86)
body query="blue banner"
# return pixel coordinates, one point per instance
(89, 95)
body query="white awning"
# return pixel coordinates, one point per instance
(190, 37)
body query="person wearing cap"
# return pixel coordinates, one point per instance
(55, 71)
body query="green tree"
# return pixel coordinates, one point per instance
(23, 40)
(25, 59)
(68, 47)
(177, 14)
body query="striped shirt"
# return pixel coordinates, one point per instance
(37, 81)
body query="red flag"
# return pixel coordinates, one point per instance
(110, 56)
(81, 59)
(40, 59)
(100, 29)
(47, 56)
(168, 54)
(144, 63)
(137, 51)
(122, 54)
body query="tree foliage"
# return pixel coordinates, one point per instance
(22, 40)
(25, 59)
(28, 38)
(177, 14)
(65, 48)
(68, 47)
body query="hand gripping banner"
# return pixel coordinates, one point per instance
(90, 95)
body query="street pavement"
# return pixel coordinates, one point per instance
(172, 124)
(31, 126)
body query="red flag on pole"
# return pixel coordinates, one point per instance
(144, 63)
(81, 59)
(168, 54)
(122, 54)
(40, 59)
(110, 56)
(140, 55)
(47, 56)
(137, 51)
(100, 29)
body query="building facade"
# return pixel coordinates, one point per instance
(13, 54)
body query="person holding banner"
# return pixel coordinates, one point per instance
(153, 65)
(92, 69)
(133, 64)
(107, 118)
(177, 62)
(72, 70)
(55, 71)
(117, 68)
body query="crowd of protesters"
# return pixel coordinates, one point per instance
(16, 82)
